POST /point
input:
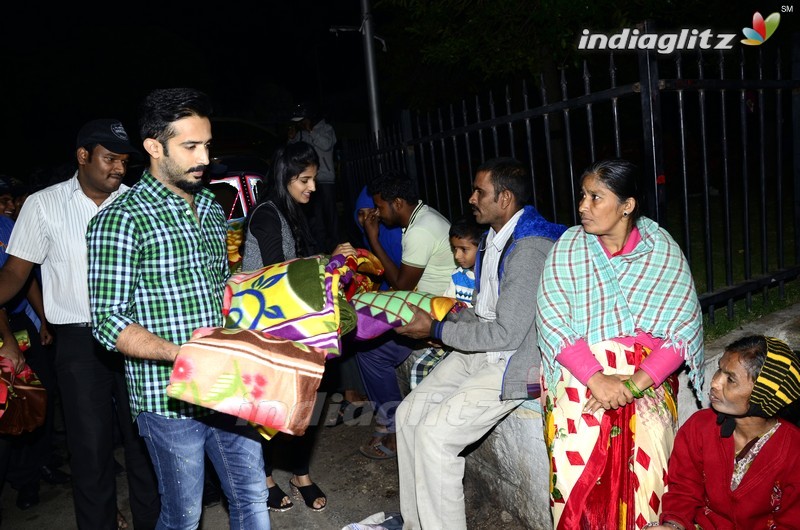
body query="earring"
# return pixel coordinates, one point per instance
(625, 214)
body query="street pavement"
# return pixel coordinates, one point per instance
(356, 487)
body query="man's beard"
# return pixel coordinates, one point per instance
(191, 187)
(176, 177)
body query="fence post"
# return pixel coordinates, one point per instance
(407, 143)
(796, 144)
(653, 155)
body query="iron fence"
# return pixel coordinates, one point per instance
(716, 134)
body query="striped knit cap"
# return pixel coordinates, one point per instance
(778, 383)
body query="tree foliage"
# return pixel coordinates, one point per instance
(450, 44)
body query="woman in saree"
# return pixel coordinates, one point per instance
(617, 316)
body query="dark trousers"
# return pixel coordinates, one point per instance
(92, 383)
(22, 456)
(377, 366)
(327, 215)
(294, 452)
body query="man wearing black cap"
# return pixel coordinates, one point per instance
(308, 127)
(51, 231)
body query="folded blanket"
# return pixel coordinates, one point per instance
(296, 300)
(23, 339)
(233, 242)
(378, 312)
(367, 273)
(304, 299)
(262, 379)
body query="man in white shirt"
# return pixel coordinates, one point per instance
(426, 265)
(51, 231)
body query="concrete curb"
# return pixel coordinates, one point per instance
(510, 467)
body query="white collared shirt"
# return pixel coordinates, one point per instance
(486, 303)
(51, 231)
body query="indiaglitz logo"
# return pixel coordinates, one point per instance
(683, 39)
(665, 43)
(761, 30)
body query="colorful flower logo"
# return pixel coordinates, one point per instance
(761, 30)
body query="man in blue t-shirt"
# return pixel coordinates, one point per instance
(23, 458)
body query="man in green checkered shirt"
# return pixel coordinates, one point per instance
(157, 271)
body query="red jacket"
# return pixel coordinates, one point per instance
(699, 479)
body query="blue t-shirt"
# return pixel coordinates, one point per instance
(19, 303)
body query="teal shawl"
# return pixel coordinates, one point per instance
(585, 294)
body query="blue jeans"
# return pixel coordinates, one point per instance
(177, 448)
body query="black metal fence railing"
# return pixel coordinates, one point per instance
(717, 136)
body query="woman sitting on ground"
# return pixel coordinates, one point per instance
(737, 464)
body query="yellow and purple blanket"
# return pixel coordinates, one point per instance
(295, 300)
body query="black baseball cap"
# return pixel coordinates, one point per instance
(6, 185)
(303, 111)
(109, 133)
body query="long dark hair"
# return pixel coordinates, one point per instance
(289, 161)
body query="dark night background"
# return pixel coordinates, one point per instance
(68, 63)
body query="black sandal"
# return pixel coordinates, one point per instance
(347, 412)
(276, 496)
(309, 494)
(339, 414)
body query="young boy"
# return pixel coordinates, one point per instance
(465, 236)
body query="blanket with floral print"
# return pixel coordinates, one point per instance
(265, 380)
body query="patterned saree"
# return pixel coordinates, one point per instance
(608, 469)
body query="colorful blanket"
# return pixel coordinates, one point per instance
(296, 300)
(378, 312)
(262, 379)
(281, 323)
(233, 241)
(366, 273)
(23, 339)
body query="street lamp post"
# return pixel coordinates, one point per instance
(372, 77)
(369, 38)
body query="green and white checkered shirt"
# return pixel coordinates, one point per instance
(152, 263)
